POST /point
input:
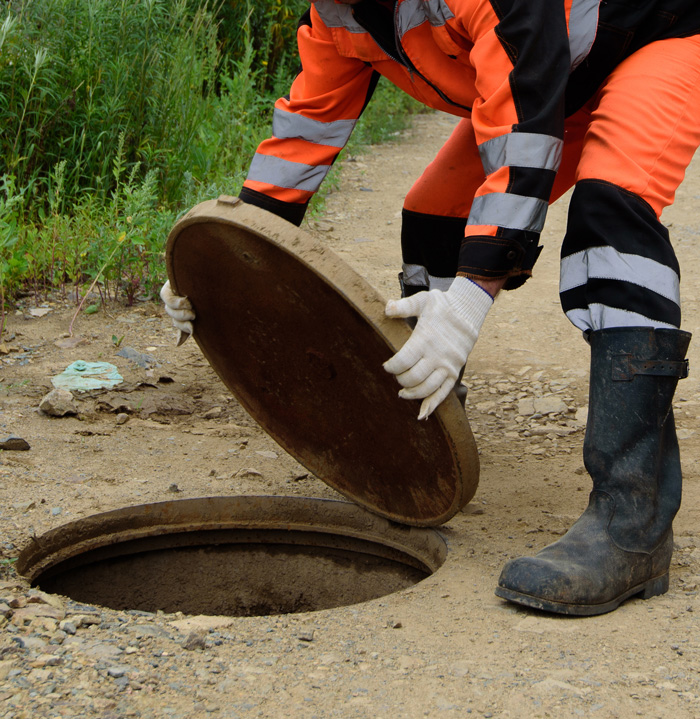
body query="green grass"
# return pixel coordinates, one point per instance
(125, 115)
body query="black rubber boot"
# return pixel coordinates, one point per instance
(622, 544)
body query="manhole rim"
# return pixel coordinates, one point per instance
(245, 512)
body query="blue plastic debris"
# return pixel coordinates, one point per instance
(84, 376)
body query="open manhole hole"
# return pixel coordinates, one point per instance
(235, 556)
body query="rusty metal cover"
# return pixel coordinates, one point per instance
(299, 338)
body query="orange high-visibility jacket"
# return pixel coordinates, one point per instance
(516, 67)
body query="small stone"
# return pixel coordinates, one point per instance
(174, 488)
(14, 443)
(194, 641)
(248, 472)
(122, 418)
(306, 635)
(36, 596)
(213, 413)
(46, 660)
(550, 405)
(4, 609)
(526, 406)
(68, 626)
(116, 671)
(24, 506)
(55, 511)
(267, 454)
(58, 403)
(83, 620)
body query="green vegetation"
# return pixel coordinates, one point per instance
(119, 115)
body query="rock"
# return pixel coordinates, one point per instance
(306, 635)
(213, 413)
(526, 406)
(141, 359)
(550, 405)
(24, 506)
(122, 418)
(5, 667)
(58, 403)
(68, 626)
(84, 620)
(194, 641)
(267, 454)
(202, 623)
(248, 472)
(26, 615)
(36, 596)
(117, 671)
(15, 443)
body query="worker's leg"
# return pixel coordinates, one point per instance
(619, 281)
(435, 212)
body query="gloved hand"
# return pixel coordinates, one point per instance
(180, 311)
(428, 365)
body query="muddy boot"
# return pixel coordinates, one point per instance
(621, 546)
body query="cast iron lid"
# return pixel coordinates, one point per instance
(299, 338)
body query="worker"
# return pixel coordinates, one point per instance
(603, 97)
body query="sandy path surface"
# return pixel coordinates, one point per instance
(446, 646)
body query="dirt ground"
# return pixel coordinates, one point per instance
(444, 647)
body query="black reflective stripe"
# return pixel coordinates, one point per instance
(432, 241)
(536, 183)
(290, 211)
(623, 296)
(621, 220)
(535, 37)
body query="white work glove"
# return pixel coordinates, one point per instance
(428, 365)
(180, 311)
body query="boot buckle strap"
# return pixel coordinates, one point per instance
(625, 367)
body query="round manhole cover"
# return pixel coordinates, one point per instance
(235, 556)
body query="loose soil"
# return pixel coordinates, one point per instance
(444, 647)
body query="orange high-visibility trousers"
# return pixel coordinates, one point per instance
(626, 151)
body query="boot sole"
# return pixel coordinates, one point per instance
(647, 590)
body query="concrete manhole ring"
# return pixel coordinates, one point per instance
(235, 556)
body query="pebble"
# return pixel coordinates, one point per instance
(194, 641)
(14, 443)
(58, 403)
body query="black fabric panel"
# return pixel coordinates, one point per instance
(531, 182)
(378, 19)
(534, 35)
(603, 214)
(432, 241)
(512, 254)
(623, 296)
(305, 19)
(623, 28)
(292, 212)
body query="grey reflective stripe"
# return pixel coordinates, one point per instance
(412, 13)
(583, 24)
(521, 149)
(606, 263)
(283, 173)
(335, 15)
(418, 276)
(286, 125)
(441, 283)
(601, 317)
(506, 210)
(415, 276)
